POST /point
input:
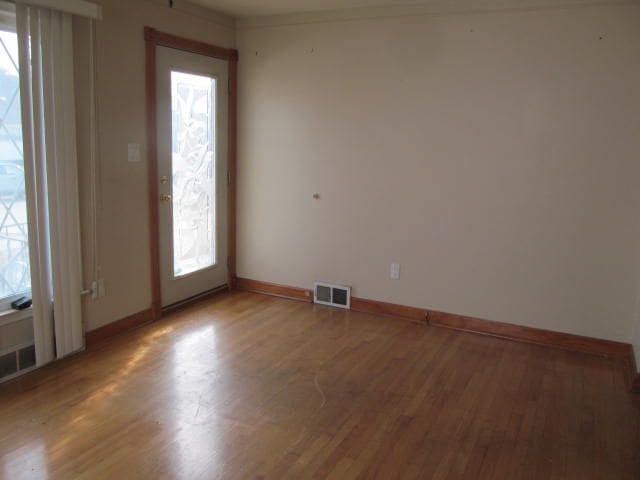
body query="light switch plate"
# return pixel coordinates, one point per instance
(134, 152)
(395, 271)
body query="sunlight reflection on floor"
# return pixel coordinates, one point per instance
(29, 461)
(195, 421)
(80, 420)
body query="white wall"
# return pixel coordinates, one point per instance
(494, 155)
(123, 230)
(636, 343)
(635, 338)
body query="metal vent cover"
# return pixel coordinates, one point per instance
(332, 295)
(18, 361)
(8, 364)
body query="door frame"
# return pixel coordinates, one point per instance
(153, 38)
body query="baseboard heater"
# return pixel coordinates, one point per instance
(18, 360)
(332, 295)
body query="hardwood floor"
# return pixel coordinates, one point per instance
(250, 386)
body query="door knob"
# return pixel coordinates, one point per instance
(165, 198)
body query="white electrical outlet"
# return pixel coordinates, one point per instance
(395, 271)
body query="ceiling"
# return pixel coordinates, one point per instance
(257, 8)
(244, 8)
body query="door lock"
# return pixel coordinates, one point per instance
(165, 198)
(164, 179)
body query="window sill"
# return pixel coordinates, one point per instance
(10, 315)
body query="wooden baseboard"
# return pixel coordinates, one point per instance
(634, 374)
(548, 338)
(389, 309)
(292, 293)
(119, 326)
(566, 341)
(357, 304)
(538, 336)
(146, 316)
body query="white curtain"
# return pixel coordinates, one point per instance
(48, 117)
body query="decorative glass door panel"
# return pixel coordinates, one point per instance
(193, 104)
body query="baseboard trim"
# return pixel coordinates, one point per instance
(266, 288)
(548, 338)
(357, 304)
(146, 316)
(634, 374)
(188, 302)
(116, 328)
(389, 309)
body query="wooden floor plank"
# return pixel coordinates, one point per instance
(250, 386)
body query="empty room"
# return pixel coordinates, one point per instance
(320, 239)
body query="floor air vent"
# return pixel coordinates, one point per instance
(333, 295)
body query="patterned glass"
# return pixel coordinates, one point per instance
(14, 241)
(193, 99)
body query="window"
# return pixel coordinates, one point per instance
(15, 278)
(193, 168)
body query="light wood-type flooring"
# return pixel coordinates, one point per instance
(251, 386)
